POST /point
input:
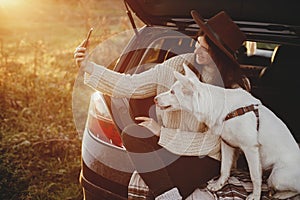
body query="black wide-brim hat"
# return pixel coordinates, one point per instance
(222, 31)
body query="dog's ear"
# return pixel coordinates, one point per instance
(188, 72)
(180, 77)
(184, 80)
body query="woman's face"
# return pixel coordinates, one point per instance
(201, 51)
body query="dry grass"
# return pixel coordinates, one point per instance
(40, 147)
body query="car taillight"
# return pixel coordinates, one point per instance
(100, 123)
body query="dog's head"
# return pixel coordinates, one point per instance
(183, 93)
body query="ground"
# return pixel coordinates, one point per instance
(40, 146)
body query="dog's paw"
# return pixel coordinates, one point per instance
(253, 197)
(215, 185)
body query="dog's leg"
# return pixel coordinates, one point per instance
(285, 195)
(285, 181)
(227, 153)
(297, 197)
(254, 163)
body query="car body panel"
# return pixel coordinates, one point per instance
(106, 169)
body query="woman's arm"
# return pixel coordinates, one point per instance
(115, 84)
(184, 142)
(190, 143)
(120, 85)
(137, 86)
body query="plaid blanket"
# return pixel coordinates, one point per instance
(137, 188)
(238, 187)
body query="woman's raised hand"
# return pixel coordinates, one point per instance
(80, 53)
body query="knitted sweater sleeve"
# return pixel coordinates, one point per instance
(121, 85)
(137, 86)
(190, 143)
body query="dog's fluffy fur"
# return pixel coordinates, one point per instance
(272, 146)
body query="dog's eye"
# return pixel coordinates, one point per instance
(172, 92)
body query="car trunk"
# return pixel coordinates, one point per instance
(260, 20)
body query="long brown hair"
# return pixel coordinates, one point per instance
(230, 70)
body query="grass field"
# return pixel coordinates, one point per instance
(40, 147)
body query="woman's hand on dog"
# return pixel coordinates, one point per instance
(150, 124)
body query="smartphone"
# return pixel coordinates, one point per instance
(88, 37)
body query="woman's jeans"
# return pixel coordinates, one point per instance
(162, 170)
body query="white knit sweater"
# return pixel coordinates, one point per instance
(180, 133)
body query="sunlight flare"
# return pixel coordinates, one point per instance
(5, 3)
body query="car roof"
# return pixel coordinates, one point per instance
(261, 20)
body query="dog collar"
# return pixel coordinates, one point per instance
(243, 110)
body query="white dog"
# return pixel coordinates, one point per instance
(242, 122)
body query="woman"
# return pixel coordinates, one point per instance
(157, 151)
